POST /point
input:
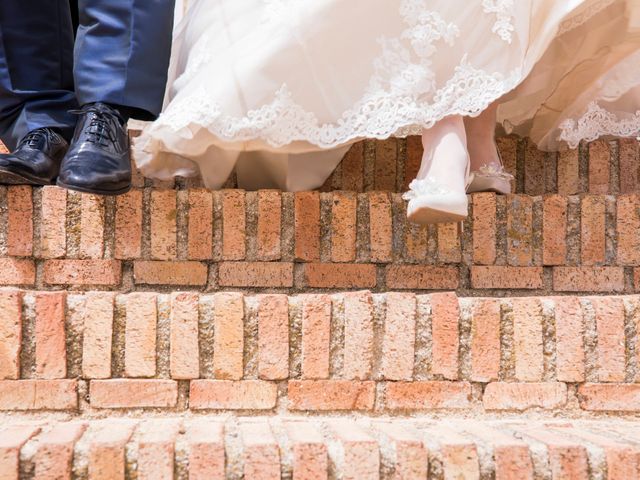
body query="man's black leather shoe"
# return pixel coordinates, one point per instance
(98, 160)
(36, 159)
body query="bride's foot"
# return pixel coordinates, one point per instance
(437, 195)
(489, 174)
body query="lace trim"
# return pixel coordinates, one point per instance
(426, 186)
(598, 122)
(504, 11)
(584, 16)
(493, 170)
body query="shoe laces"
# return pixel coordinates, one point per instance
(33, 138)
(100, 130)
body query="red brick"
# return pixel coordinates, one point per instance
(50, 338)
(184, 351)
(19, 221)
(316, 336)
(380, 227)
(422, 277)
(358, 456)
(353, 168)
(10, 334)
(14, 271)
(358, 336)
(385, 164)
(54, 457)
(427, 395)
(14, 438)
(616, 397)
(163, 224)
(261, 451)
(200, 225)
(448, 243)
(567, 458)
(519, 230)
(91, 226)
(508, 149)
(133, 393)
(228, 341)
(570, 354)
(610, 312)
(330, 395)
(528, 339)
(170, 273)
(593, 230)
(409, 457)
(82, 272)
(97, 334)
(506, 278)
(554, 228)
(485, 340)
(53, 234)
(330, 275)
(233, 225)
(445, 315)
(416, 239)
(107, 450)
(156, 451)
(140, 335)
(206, 450)
(523, 396)
(255, 274)
(459, 454)
(484, 228)
(310, 461)
(129, 225)
(307, 226)
(343, 226)
(232, 395)
(415, 152)
(629, 155)
(628, 228)
(398, 342)
(269, 225)
(534, 170)
(599, 164)
(273, 337)
(588, 279)
(568, 172)
(38, 395)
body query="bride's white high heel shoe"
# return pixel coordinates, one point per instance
(491, 177)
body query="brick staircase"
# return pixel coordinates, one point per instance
(176, 332)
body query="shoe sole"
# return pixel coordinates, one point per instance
(8, 177)
(95, 191)
(431, 216)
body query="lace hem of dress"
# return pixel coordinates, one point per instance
(598, 122)
(584, 16)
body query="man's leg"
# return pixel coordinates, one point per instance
(36, 63)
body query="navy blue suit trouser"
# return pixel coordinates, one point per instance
(120, 56)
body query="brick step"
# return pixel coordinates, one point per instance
(200, 239)
(356, 351)
(259, 448)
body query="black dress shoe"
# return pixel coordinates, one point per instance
(35, 161)
(98, 160)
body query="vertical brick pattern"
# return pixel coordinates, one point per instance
(10, 334)
(140, 335)
(163, 225)
(485, 340)
(97, 334)
(228, 344)
(233, 225)
(184, 351)
(307, 226)
(343, 227)
(19, 221)
(273, 337)
(358, 335)
(50, 337)
(445, 315)
(527, 339)
(269, 225)
(200, 225)
(398, 344)
(53, 232)
(316, 336)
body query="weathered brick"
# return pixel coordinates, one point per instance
(414, 154)
(570, 354)
(588, 279)
(416, 238)
(97, 334)
(53, 233)
(233, 225)
(343, 227)
(629, 154)
(316, 336)
(506, 278)
(528, 339)
(353, 168)
(38, 395)
(329, 395)
(445, 316)
(534, 170)
(91, 226)
(129, 225)
(385, 164)
(255, 274)
(269, 225)
(228, 340)
(273, 337)
(508, 150)
(310, 461)
(593, 230)
(14, 438)
(484, 228)
(307, 226)
(54, 457)
(567, 458)
(163, 224)
(19, 221)
(82, 272)
(107, 450)
(232, 395)
(421, 277)
(523, 396)
(133, 393)
(380, 227)
(599, 164)
(398, 342)
(329, 275)
(615, 397)
(485, 340)
(261, 451)
(554, 228)
(568, 172)
(184, 351)
(409, 457)
(14, 271)
(170, 273)
(200, 225)
(50, 337)
(358, 455)
(206, 450)
(140, 335)
(449, 250)
(156, 451)
(427, 395)
(610, 334)
(459, 454)
(10, 334)
(520, 230)
(628, 229)
(358, 335)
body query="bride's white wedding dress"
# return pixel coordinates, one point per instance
(283, 87)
